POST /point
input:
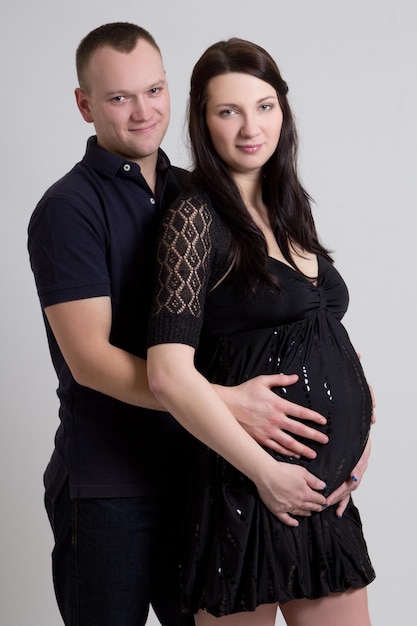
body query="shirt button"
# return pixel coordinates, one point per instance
(126, 167)
(152, 200)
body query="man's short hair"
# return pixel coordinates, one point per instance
(122, 36)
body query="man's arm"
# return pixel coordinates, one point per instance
(82, 330)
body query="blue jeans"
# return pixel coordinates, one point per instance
(108, 564)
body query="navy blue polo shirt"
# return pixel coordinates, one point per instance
(93, 234)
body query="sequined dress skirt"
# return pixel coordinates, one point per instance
(238, 555)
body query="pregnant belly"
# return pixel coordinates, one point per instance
(331, 381)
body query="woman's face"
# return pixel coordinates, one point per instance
(244, 119)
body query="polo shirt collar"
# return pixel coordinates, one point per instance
(110, 164)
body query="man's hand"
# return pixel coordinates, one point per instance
(373, 418)
(342, 493)
(267, 417)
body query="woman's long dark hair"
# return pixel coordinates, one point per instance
(288, 203)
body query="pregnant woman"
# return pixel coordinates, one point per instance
(244, 287)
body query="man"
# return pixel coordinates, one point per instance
(117, 457)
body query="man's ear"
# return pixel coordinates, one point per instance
(83, 103)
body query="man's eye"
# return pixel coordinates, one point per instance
(119, 98)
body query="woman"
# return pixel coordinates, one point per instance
(244, 287)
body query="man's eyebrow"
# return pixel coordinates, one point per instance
(123, 91)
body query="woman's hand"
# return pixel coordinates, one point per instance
(287, 490)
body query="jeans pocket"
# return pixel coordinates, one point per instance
(50, 510)
(74, 511)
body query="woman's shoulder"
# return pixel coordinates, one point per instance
(194, 205)
(193, 198)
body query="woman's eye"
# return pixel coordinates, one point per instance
(227, 112)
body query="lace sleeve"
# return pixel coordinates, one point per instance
(183, 267)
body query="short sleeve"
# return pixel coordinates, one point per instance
(184, 258)
(67, 245)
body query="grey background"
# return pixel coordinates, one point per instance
(351, 69)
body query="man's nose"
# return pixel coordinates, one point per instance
(141, 110)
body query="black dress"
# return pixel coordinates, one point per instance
(236, 553)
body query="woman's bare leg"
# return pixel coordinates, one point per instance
(264, 615)
(338, 609)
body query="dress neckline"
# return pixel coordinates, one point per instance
(315, 284)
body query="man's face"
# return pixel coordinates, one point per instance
(127, 99)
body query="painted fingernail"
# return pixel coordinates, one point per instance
(354, 478)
